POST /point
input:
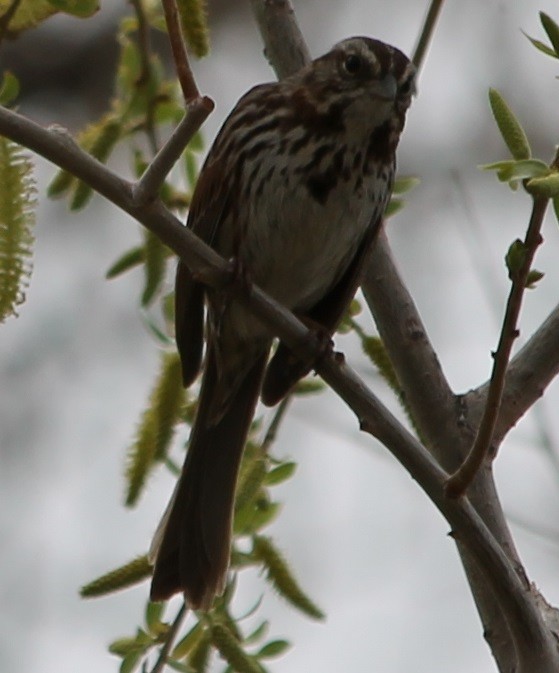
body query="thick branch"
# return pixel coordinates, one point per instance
(428, 395)
(285, 47)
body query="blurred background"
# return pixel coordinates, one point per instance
(76, 367)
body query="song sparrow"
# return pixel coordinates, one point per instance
(294, 187)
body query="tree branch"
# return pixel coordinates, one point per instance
(178, 47)
(463, 477)
(530, 371)
(285, 47)
(428, 395)
(147, 188)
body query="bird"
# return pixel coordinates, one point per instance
(294, 189)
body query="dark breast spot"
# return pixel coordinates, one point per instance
(320, 186)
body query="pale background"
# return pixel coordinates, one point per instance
(363, 539)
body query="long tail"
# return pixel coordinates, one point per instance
(193, 555)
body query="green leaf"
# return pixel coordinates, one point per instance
(552, 30)
(533, 278)
(154, 612)
(123, 646)
(9, 88)
(80, 8)
(515, 258)
(556, 208)
(186, 644)
(130, 662)
(274, 648)
(258, 633)
(17, 220)
(547, 186)
(309, 386)
(280, 474)
(404, 184)
(156, 427)
(130, 259)
(280, 576)
(31, 13)
(395, 205)
(134, 572)
(541, 46)
(155, 257)
(513, 171)
(509, 126)
(101, 140)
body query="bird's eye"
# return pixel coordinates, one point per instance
(353, 64)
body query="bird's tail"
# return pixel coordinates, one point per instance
(192, 545)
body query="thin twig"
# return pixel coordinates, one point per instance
(462, 478)
(178, 47)
(427, 32)
(170, 639)
(271, 433)
(148, 186)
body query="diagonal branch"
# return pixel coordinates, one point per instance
(178, 47)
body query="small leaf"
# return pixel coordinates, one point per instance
(130, 259)
(126, 576)
(515, 258)
(309, 386)
(130, 662)
(280, 474)
(9, 88)
(186, 644)
(155, 255)
(124, 646)
(556, 208)
(404, 184)
(513, 171)
(258, 633)
(394, 206)
(80, 8)
(533, 278)
(101, 137)
(274, 648)
(509, 126)
(552, 30)
(547, 186)
(279, 575)
(541, 46)
(154, 612)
